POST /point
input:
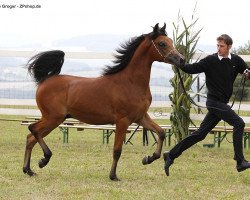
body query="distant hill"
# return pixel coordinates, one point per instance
(96, 43)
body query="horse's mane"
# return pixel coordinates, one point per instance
(125, 53)
(127, 50)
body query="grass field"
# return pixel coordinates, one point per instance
(80, 169)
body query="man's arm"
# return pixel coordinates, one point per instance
(195, 68)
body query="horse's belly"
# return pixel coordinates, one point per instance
(93, 117)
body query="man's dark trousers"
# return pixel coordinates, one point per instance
(216, 111)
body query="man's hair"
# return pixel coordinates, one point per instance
(226, 38)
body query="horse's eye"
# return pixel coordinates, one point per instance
(162, 44)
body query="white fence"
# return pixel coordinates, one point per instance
(87, 55)
(16, 104)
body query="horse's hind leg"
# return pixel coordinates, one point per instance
(30, 143)
(39, 130)
(149, 124)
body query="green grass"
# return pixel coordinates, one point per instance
(80, 169)
(19, 106)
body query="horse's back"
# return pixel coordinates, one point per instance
(80, 97)
(55, 85)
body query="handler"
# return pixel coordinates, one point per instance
(220, 70)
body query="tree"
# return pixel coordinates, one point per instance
(243, 50)
(237, 91)
(185, 42)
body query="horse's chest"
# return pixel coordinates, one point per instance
(139, 102)
(140, 107)
(134, 106)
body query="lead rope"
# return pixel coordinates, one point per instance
(184, 90)
(189, 98)
(242, 83)
(181, 81)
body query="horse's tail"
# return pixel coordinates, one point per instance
(45, 64)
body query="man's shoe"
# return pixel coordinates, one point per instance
(168, 162)
(243, 166)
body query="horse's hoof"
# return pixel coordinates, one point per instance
(114, 178)
(145, 160)
(41, 163)
(29, 172)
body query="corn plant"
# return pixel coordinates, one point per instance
(185, 42)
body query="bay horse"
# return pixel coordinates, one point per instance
(120, 96)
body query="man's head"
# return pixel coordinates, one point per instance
(224, 44)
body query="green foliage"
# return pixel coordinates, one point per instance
(237, 92)
(185, 42)
(243, 50)
(238, 87)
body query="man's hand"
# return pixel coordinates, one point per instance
(247, 74)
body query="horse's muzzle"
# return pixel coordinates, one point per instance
(175, 58)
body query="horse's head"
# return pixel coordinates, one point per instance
(163, 48)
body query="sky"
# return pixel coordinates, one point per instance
(63, 19)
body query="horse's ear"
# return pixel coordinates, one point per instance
(156, 28)
(163, 29)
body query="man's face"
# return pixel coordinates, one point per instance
(223, 48)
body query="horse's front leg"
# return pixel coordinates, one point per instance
(121, 129)
(149, 124)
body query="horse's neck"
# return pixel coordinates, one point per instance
(139, 69)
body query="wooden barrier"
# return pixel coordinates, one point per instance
(107, 130)
(219, 132)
